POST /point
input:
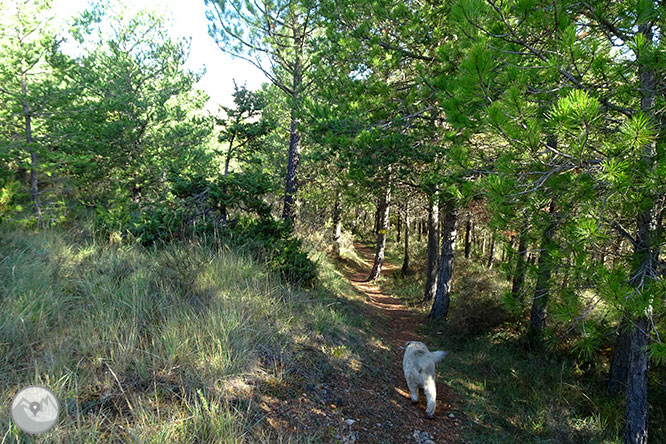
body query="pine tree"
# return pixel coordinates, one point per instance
(25, 43)
(277, 37)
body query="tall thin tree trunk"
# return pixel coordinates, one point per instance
(519, 275)
(405, 261)
(619, 366)
(418, 229)
(645, 270)
(433, 254)
(337, 223)
(398, 226)
(507, 250)
(291, 186)
(227, 161)
(491, 254)
(476, 239)
(636, 431)
(34, 190)
(542, 290)
(383, 211)
(440, 305)
(468, 232)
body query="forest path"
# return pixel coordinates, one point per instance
(387, 409)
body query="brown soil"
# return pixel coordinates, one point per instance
(378, 405)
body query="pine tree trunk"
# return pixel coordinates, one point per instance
(519, 275)
(492, 252)
(542, 290)
(645, 270)
(636, 431)
(337, 224)
(619, 366)
(227, 161)
(383, 211)
(405, 261)
(507, 250)
(468, 233)
(433, 244)
(440, 305)
(291, 186)
(34, 190)
(398, 227)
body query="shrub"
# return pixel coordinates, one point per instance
(195, 208)
(477, 305)
(275, 242)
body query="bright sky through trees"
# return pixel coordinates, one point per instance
(188, 19)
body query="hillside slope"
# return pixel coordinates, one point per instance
(198, 343)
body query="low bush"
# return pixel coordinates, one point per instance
(227, 208)
(476, 303)
(275, 242)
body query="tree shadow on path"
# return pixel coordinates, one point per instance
(386, 411)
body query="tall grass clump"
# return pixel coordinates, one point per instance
(139, 344)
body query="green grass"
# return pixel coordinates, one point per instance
(174, 344)
(180, 344)
(511, 395)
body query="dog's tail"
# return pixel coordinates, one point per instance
(438, 355)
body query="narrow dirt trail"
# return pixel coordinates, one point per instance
(403, 321)
(367, 401)
(388, 407)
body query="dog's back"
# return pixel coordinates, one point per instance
(418, 365)
(419, 359)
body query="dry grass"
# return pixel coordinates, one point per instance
(178, 344)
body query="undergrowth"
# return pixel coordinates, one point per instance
(512, 394)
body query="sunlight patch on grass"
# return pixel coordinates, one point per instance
(159, 345)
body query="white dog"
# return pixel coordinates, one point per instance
(419, 367)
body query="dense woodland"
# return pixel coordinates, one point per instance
(518, 141)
